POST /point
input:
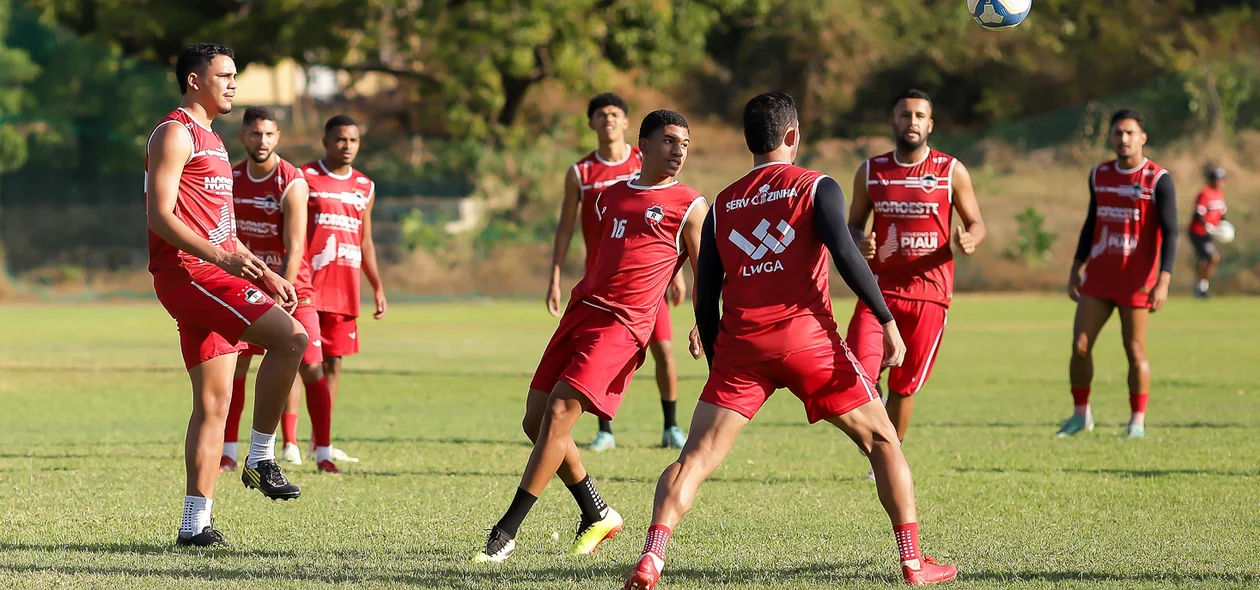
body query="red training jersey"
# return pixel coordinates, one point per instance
(1211, 209)
(1124, 255)
(594, 174)
(334, 235)
(775, 297)
(260, 217)
(204, 203)
(640, 250)
(913, 206)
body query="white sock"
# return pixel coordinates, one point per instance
(1082, 411)
(323, 454)
(196, 515)
(1203, 285)
(229, 450)
(262, 447)
(1138, 418)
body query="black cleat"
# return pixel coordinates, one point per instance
(208, 537)
(267, 478)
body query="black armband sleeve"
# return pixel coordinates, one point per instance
(709, 280)
(834, 232)
(1087, 230)
(1166, 204)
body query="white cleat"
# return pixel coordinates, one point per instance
(291, 454)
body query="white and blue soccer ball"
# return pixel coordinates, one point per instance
(1223, 232)
(999, 14)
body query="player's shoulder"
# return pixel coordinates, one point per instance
(887, 158)
(939, 158)
(1103, 167)
(287, 170)
(587, 160)
(311, 169)
(636, 154)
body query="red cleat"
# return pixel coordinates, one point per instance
(327, 466)
(929, 571)
(646, 573)
(226, 464)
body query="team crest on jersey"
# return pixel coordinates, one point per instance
(254, 296)
(928, 183)
(655, 214)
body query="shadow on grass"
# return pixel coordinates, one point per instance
(348, 370)
(1137, 473)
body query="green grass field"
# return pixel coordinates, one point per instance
(93, 406)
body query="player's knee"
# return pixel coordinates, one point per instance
(311, 372)
(662, 352)
(1216, 258)
(1136, 351)
(1081, 346)
(558, 410)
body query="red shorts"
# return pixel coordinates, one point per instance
(663, 330)
(339, 334)
(921, 324)
(309, 318)
(211, 308)
(1126, 297)
(826, 378)
(594, 353)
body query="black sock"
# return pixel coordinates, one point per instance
(668, 408)
(511, 522)
(605, 425)
(588, 500)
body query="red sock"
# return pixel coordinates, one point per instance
(657, 537)
(1137, 402)
(907, 536)
(319, 405)
(288, 423)
(1080, 396)
(232, 430)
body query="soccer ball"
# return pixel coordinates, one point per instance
(1224, 232)
(999, 14)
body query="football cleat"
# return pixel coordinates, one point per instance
(328, 467)
(646, 573)
(208, 537)
(291, 454)
(267, 478)
(926, 571)
(499, 547)
(1136, 431)
(589, 538)
(673, 438)
(226, 464)
(604, 441)
(1076, 424)
(336, 454)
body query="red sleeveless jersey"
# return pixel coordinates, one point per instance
(1124, 255)
(595, 174)
(204, 203)
(334, 234)
(640, 250)
(775, 297)
(260, 215)
(913, 206)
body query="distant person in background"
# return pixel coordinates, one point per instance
(339, 242)
(1124, 261)
(1209, 212)
(613, 162)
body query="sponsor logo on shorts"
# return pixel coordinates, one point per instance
(354, 335)
(254, 296)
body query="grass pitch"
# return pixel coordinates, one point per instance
(93, 404)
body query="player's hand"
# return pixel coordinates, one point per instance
(1074, 286)
(693, 343)
(379, 296)
(677, 291)
(1159, 295)
(281, 290)
(553, 299)
(244, 266)
(894, 348)
(867, 247)
(964, 241)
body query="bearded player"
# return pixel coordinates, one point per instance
(913, 191)
(648, 226)
(270, 196)
(339, 242)
(205, 278)
(614, 161)
(1124, 261)
(764, 256)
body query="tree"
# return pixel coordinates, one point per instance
(14, 96)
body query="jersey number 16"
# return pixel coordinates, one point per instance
(619, 228)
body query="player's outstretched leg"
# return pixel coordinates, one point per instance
(672, 437)
(203, 446)
(713, 433)
(553, 443)
(1092, 314)
(1133, 322)
(869, 427)
(232, 430)
(285, 341)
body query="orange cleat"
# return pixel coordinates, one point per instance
(646, 573)
(927, 571)
(327, 466)
(226, 464)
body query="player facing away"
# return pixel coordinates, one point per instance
(270, 197)
(339, 242)
(1209, 212)
(614, 161)
(913, 191)
(209, 283)
(1124, 261)
(648, 226)
(764, 255)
